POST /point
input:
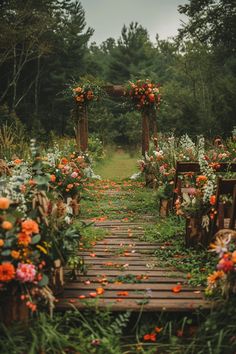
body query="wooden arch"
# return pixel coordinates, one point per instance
(81, 122)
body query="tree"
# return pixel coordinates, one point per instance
(131, 55)
(212, 22)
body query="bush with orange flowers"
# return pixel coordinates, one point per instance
(144, 94)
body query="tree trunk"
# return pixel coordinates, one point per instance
(145, 133)
(36, 88)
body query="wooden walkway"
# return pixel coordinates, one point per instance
(123, 274)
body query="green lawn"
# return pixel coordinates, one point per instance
(120, 165)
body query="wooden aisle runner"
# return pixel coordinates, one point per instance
(127, 270)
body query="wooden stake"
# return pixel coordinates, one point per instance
(83, 129)
(145, 133)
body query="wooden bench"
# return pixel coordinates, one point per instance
(183, 167)
(224, 186)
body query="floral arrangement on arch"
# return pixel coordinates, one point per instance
(85, 92)
(144, 94)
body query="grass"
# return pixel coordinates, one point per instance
(120, 165)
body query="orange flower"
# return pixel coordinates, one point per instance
(17, 161)
(177, 288)
(1, 242)
(7, 272)
(100, 291)
(52, 178)
(213, 200)
(123, 293)
(7, 225)
(4, 203)
(24, 239)
(150, 337)
(64, 161)
(30, 227)
(15, 254)
(32, 182)
(92, 294)
(234, 257)
(77, 89)
(212, 278)
(201, 178)
(158, 329)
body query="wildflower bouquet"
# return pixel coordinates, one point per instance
(144, 94)
(66, 177)
(22, 255)
(223, 280)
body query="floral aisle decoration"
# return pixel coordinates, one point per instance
(22, 259)
(222, 282)
(198, 200)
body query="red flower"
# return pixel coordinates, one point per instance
(150, 337)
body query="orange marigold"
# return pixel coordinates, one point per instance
(1, 242)
(30, 227)
(6, 225)
(15, 254)
(4, 203)
(52, 178)
(24, 239)
(7, 272)
(201, 178)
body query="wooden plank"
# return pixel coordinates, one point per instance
(114, 272)
(148, 279)
(172, 305)
(130, 286)
(139, 294)
(131, 260)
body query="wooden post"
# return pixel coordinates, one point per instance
(75, 117)
(145, 132)
(83, 126)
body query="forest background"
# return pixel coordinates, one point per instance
(45, 44)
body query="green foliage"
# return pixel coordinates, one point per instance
(170, 233)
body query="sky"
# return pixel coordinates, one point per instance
(107, 17)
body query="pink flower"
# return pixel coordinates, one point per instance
(74, 174)
(162, 169)
(192, 191)
(25, 272)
